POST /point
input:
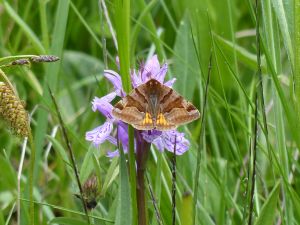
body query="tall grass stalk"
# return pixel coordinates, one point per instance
(252, 168)
(122, 25)
(197, 173)
(260, 81)
(31, 179)
(174, 184)
(71, 155)
(19, 179)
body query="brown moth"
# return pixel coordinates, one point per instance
(155, 106)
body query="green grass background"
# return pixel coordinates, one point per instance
(184, 34)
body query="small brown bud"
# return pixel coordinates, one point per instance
(91, 192)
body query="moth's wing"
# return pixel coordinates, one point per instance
(165, 127)
(175, 109)
(132, 109)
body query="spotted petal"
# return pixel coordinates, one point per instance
(99, 134)
(150, 136)
(182, 144)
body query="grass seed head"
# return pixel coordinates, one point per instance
(13, 112)
(91, 192)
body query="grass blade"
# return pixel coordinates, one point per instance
(124, 212)
(268, 211)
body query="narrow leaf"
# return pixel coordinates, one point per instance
(268, 211)
(124, 208)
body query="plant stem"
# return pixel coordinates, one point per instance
(71, 154)
(19, 180)
(31, 178)
(142, 153)
(174, 185)
(253, 151)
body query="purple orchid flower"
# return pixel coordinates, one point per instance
(161, 139)
(103, 132)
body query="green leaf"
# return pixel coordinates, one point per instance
(283, 24)
(186, 210)
(67, 221)
(59, 148)
(124, 208)
(268, 211)
(51, 76)
(27, 30)
(243, 55)
(87, 166)
(186, 66)
(8, 180)
(97, 170)
(1, 218)
(111, 175)
(296, 202)
(81, 63)
(62, 152)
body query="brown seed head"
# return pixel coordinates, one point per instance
(44, 58)
(13, 112)
(91, 192)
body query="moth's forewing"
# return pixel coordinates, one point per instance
(127, 114)
(132, 109)
(128, 111)
(155, 106)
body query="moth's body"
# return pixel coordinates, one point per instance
(155, 106)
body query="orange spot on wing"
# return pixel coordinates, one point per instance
(147, 120)
(161, 120)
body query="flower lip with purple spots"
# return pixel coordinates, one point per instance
(161, 139)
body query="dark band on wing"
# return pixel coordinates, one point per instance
(190, 107)
(131, 102)
(176, 103)
(140, 95)
(170, 92)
